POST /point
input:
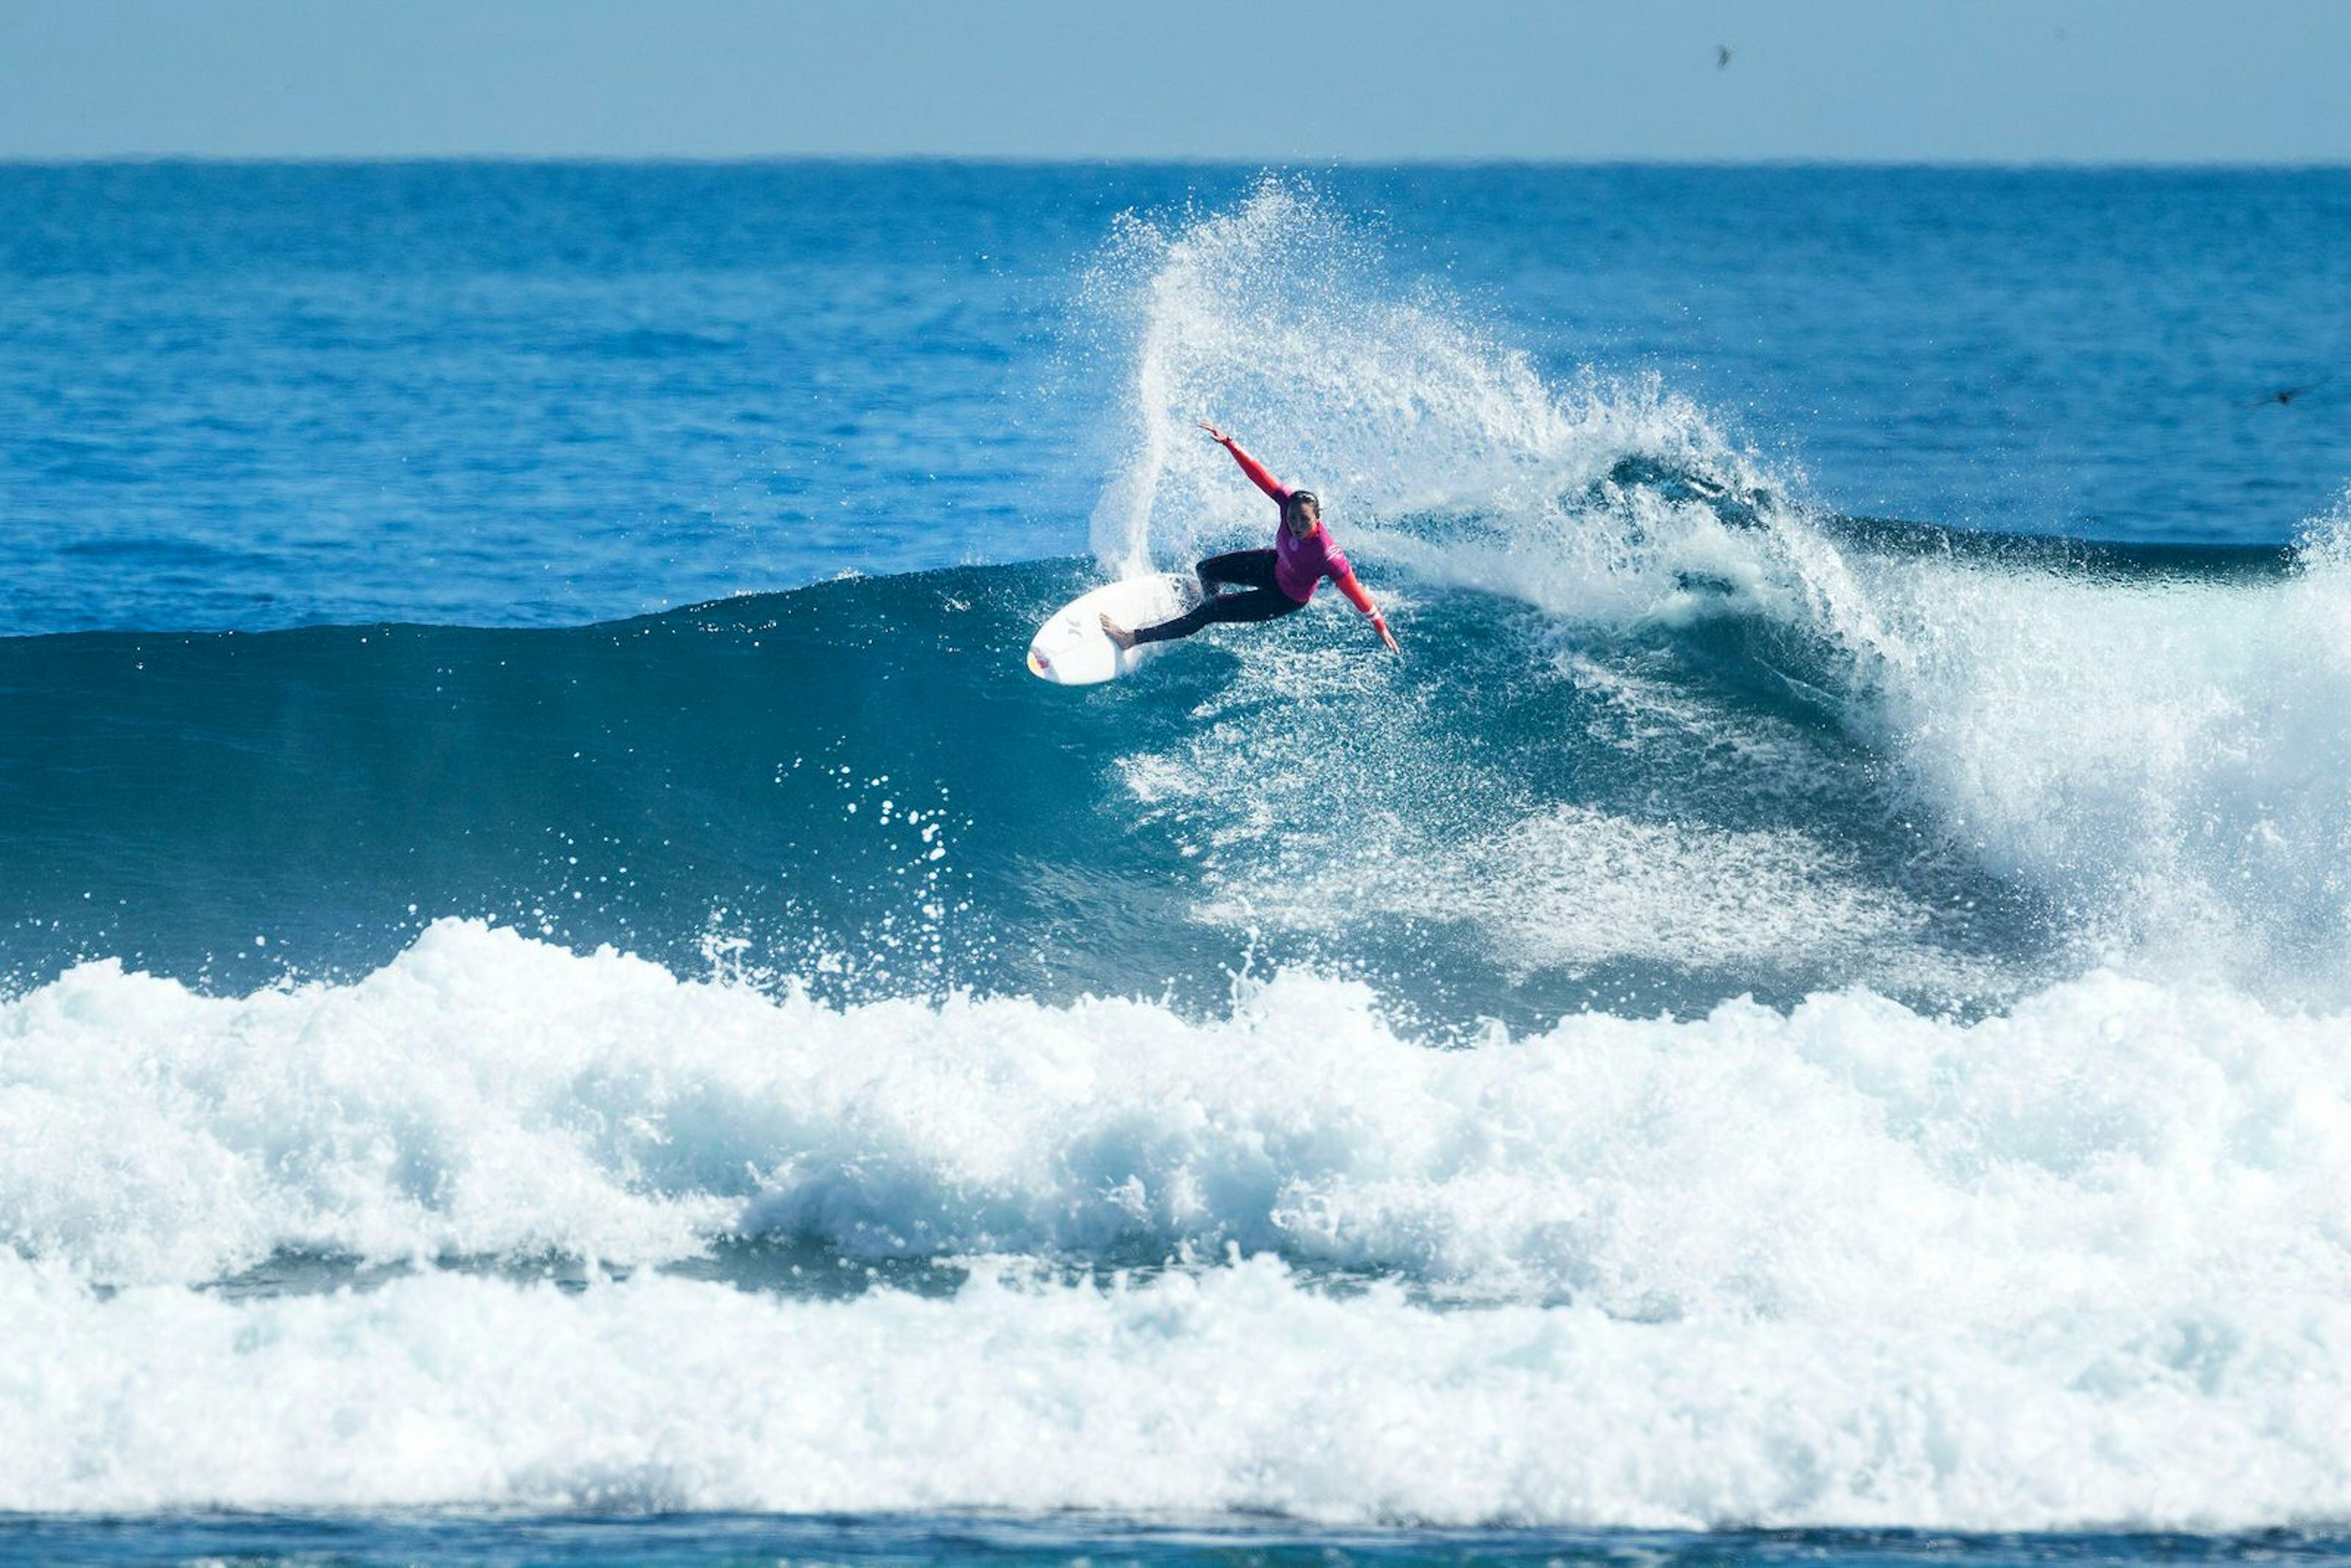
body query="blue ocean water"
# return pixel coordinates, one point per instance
(564, 997)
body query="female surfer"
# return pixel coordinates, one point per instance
(1272, 582)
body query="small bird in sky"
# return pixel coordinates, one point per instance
(2287, 394)
(1722, 57)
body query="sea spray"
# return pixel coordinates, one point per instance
(1278, 319)
(2142, 762)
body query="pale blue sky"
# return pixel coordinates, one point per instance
(1313, 80)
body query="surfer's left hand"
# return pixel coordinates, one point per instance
(1380, 625)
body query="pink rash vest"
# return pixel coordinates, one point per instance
(1301, 565)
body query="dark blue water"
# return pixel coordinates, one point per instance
(567, 998)
(245, 395)
(700, 1539)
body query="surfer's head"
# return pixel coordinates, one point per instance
(1301, 511)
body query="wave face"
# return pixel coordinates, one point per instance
(1760, 1018)
(797, 786)
(1666, 734)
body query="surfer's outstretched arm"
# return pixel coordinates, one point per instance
(1362, 600)
(1256, 471)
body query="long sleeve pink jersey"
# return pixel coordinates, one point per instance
(1301, 565)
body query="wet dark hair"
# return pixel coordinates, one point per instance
(1300, 499)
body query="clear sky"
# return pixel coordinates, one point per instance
(1278, 80)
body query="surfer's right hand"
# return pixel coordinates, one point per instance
(1218, 436)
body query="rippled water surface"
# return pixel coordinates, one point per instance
(564, 997)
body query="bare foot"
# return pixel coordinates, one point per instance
(1117, 634)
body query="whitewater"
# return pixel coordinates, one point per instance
(1841, 1264)
(1769, 1016)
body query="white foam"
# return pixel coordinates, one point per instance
(2084, 1262)
(2166, 759)
(1236, 1389)
(1571, 888)
(1293, 833)
(489, 1094)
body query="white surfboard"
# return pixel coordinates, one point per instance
(1071, 649)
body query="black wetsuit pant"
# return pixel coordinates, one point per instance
(1261, 597)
